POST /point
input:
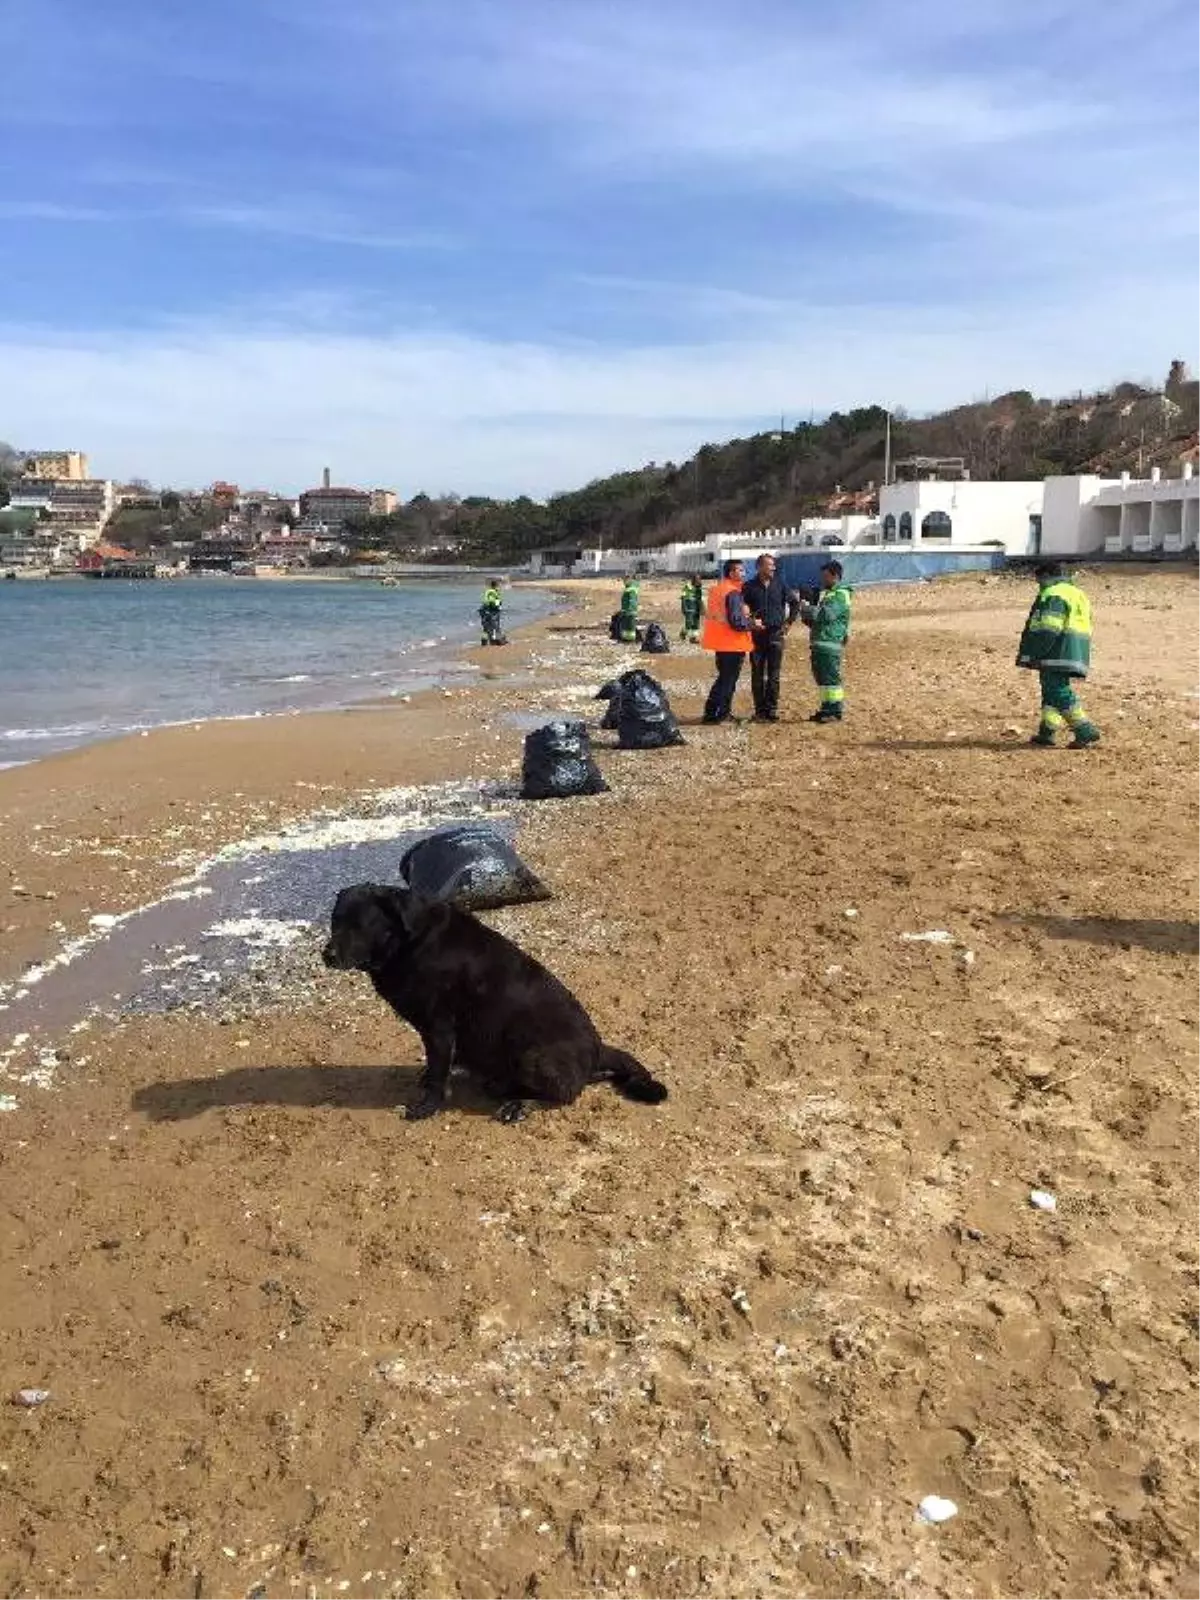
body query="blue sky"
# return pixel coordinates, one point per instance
(507, 245)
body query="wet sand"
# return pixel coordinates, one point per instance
(720, 1347)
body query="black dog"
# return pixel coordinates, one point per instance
(479, 1004)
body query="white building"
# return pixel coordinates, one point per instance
(1068, 516)
(698, 555)
(949, 515)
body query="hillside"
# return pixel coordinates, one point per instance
(769, 479)
(775, 478)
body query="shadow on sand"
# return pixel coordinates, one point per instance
(1151, 933)
(943, 745)
(339, 1088)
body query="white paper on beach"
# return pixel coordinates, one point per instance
(934, 1509)
(933, 936)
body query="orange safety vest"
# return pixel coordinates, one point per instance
(718, 634)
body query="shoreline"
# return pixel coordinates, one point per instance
(191, 767)
(415, 668)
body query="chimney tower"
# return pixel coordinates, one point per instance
(325, 478)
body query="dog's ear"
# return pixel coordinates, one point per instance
(404, 907)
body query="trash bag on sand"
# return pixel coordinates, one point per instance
(559, 764)
(644, 719)
(614, 627)
(472, 866)
(655, 641)
(612, 693)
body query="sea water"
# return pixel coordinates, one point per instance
(83, 659)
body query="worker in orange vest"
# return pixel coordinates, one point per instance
(727, 632)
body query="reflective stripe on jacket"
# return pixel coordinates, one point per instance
(1058, 631)
(719, 632)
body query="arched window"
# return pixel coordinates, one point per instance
(936, 525)
(906, 526)
(889, 529)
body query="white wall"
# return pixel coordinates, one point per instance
(1074, 520)
(980, 513)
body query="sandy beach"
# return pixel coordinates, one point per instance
(296, 1346)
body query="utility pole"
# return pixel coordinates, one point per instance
(887, 451)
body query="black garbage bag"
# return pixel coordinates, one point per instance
(645, 720)
(612, 693)
(614, 627)
(559, 764)
(472, 866)
(655, 641)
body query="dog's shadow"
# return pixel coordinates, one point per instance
(385, 1088)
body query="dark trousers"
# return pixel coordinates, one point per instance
(720, 697)
(766, 664)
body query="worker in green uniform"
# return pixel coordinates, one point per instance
(630, 596)
(489, 615)
(1057, 645)
(828, 622)
(691, 604)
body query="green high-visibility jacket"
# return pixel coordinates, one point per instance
(830, 621)
(1058, 631)
(691, 603)
(629, 599)
(491, 597)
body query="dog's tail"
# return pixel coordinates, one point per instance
(629, 1077)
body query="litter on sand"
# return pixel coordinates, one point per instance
(1043, 1200)
(934, 1509)
(933, 936)
(31, 1397)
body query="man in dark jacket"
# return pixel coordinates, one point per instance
(773, 607)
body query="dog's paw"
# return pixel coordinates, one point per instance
(512, 1111)
(426, 1105)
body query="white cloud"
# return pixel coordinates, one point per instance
(192, 402)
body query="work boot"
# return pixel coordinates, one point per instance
(1044, 738)
(1085, 734)
(824, 715)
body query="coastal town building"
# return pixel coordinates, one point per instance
(1074, 517)
(1067, 516)
(79, 507)
(383, 502)
(25, 540)
(68, 464)
(333, 506)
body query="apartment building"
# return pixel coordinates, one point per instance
(334, 506)
(79, 507)
(384, 502)
(69, 464)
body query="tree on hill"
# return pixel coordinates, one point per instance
(10, 470)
